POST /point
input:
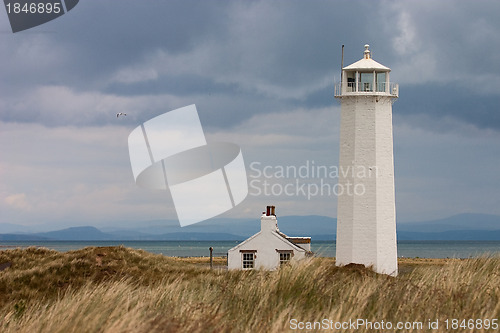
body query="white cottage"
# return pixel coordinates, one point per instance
(269, 248)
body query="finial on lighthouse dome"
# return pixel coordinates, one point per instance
(367, 51)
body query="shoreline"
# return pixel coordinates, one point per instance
(324, 249)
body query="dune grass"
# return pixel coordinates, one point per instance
(116, 289)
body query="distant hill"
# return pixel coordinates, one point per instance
(458, 227)
(466, 221)
(307, 225)
(201, 236)
(88, 233)
(77, 234)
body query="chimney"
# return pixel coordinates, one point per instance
(268, 221)
(270, 211)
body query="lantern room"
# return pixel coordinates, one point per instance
(366, 77)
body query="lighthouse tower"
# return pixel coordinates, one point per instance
(366, 220)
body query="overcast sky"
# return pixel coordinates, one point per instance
(261, 74)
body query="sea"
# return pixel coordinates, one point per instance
(407, 249)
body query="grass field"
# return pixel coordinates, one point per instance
(117, 289)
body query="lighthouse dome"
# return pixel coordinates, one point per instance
(367, 63)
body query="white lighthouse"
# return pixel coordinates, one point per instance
(366, 214)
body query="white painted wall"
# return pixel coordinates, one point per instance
(366, 223)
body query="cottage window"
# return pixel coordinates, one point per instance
(248, 260)
(285, 257)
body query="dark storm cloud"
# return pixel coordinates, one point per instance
(270, 50)
(438, 101)
(462, 35)
(104, 35)
(236, 59)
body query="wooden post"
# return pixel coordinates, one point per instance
(211, 257)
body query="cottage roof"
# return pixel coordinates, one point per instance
(295, 240)
(281, 236)
(297, 247)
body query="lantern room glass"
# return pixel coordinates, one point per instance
(381, 82)
(365, 81)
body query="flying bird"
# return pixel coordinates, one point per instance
(120, 114)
